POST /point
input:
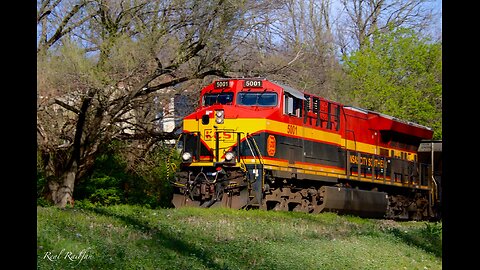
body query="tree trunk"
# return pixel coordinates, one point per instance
(61, 191)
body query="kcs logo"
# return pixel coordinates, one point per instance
(271, 145)
(222, 135)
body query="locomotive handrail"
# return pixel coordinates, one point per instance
(254, 158)
(434, 193)
(258, 150)
(250, 147)
(253, 154)
(243, 166)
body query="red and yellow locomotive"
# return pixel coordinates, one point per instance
(253, 143)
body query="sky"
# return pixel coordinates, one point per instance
(438, 25)
(435, 4)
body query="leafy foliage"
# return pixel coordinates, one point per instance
(112, 181)
(156, 172)
(398, 74)
(105, 184)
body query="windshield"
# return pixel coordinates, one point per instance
(257, 98)
(219, 98)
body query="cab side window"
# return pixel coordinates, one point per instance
(292, 106)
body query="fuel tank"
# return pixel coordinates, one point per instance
(364, 203)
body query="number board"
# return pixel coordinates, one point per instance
(252, 83)
(221, 84)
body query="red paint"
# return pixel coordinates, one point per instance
(355, 124)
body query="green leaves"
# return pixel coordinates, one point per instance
(399, 74)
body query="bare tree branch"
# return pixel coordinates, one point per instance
(66, 106)
(62, 29)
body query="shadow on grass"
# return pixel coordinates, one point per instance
(167, 240)
(425, 239)
(428, 238)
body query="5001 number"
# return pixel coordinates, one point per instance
(250, 83)
(292, 129)
(221, 84)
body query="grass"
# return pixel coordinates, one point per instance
(133, 237)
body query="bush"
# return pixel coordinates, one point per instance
(433, 230)
(84, 204)
(153, 177)
(145, 183)
(106, 197)
(105, 185)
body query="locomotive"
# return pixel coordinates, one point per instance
(255, 143)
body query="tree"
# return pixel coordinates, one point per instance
(398, 74)
(309, 44)
(57, 19)
(360, 19)
(293, 44)
(102, 82)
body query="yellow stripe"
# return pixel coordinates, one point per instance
(305, 167)
(252, 125)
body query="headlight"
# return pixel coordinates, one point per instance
(229, 156)
(219, 115)
(186, 156)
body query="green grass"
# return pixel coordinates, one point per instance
(132, 237)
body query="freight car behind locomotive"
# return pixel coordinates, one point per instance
(253, 143)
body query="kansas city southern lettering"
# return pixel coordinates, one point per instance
(366, 161)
